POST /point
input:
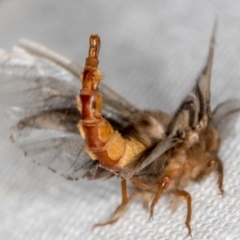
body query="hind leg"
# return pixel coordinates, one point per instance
(188, 198)
(220, 176)
(121, 209)
(125, 199)
(161, 186)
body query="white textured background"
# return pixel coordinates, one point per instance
(151, 53)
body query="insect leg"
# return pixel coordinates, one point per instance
(119, 212)
(220, 176)
(124, 195)
(188, 198)
(161, 187)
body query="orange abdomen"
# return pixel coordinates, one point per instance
(102, 142)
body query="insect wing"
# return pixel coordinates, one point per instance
(195, 109)
(193, 112)
(225, 116)
(115, 107)
(45, 85)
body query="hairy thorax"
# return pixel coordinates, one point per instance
(182, 165)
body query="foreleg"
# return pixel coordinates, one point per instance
(161, 187)
(188, 198)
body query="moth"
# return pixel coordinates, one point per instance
(82, 128)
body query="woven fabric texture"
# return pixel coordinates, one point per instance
(151, 53)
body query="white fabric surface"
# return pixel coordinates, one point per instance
(151, 53)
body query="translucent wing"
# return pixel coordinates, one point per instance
(225, 116)
(195, 110)
(42, 87)
(193, 115)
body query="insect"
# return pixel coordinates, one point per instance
(156, 152)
